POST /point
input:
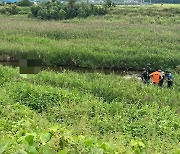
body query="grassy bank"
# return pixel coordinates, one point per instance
(69, 112)
(84, 114)
(128, 36)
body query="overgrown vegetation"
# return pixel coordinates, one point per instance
(127, 37)
(10, 10)
(65, 111)
(72, 112)
(15, 9)
(54, 10)
(24, 3)
(59, 11)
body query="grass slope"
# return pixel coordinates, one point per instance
(100, 113)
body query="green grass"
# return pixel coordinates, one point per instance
(72, 112)
(123, 114)
(125, 37)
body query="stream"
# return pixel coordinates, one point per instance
(126, 73)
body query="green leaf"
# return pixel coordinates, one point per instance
(103, 146)
(45, 138)
(54, 128)
(3, 146)
(30, 139)
(20, 151)
(32, 150)
(64, 151)
(133, 143)
(89, 142)
(96, 150)
(47, 150)
(141, 144)
(176, 151)
(22, 138)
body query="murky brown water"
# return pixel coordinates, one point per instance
(127, 74)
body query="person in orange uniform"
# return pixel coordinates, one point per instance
(156, 76)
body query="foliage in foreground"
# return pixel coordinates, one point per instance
(123, 115)
(24, 131)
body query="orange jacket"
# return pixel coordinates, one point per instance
(156, 76)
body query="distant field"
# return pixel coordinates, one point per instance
(128, 36)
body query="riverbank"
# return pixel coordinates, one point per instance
(127, 37)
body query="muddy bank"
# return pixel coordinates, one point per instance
(118, 71)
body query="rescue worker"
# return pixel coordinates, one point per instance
(169, 78)
(156, 76)
(145, 76)
(148, 69)
(163, 77)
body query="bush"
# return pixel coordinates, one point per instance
(3, 10)
(24, 3)
(13, 10)
(22, 12)
(54, 14)
(82, 12)
(62, 14)
(36, 98)
(2, 3)
(57, 11)
(108, 3)
(10, 10)
(43, 14)
(35, 10)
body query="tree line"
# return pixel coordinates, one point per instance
(58, 11)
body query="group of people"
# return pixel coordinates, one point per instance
(158, 76)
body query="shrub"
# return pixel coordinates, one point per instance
(71, 3)
(34, 10)
(62, 14)
(22, 12)
(56, 10)
(10, 10)
(2, 3)
(13, 10)
(81, 12)
(43, 14)
(24, 3)
(54, 14)
(3, 10)
(36, 98)
(108, 3)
